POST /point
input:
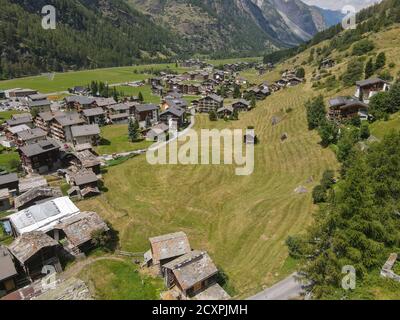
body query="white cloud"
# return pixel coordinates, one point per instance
(339, 4)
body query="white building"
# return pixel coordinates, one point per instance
(42, 217)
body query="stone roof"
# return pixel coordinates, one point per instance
(30, 134)
(83, 177)
(28, 244)
(85, 130)
(93, 112)
(169, 246)
(79, 228)
(19, 128)
(370, 82)
(87, 159)
(192, 268)
(103, 102)
(48, 115)
(39, 147)
(176, 111)
(38, 192)
(146, 107)
(25, 184)
(82, 100)
(7, 267)
(38, 103)
(213, 293)
(69, 119)
(8, 178)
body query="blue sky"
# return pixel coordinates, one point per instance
(339, 4)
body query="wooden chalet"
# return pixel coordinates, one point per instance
(210, 102)
(33, 251)
(344, 109)
(40, 157)
(366, 89)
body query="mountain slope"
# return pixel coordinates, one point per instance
(88, 34)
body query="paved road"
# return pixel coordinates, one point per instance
(287, 289)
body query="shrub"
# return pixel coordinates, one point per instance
(319, 194)
(362, 47)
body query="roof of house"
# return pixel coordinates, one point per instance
(37, 96)
(370, 82)
(31, 134)
(34, 193)
(169, 246)
(82, 100)
(176, 111)
(79, 228)
(4, 194)
(214, 97)
(38, 103)
(243, 101)
(103, 102)
(7, 267)
(146, 107)
(39, 147)
(69, 119)
(83, 177)
(119, 116)
(44, 216)
(213, 293)
(8, 178)
(93, 112)
(157, 130)
(345, 102)
(26, 184)
(28, 244)
(173, 102)
(87, 158)
(192, 268)
(48, 115)
(119, 107)
(19, 128)
(19, 120)
(85, 130)
(225, 108)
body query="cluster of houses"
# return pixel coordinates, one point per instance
(46, 235)
(187, 273)
(343, 109)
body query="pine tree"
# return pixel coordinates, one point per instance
(213, 115)
(236, 92)
(380, 61)
(369, 69)
(140, 96)
(133, 130)
(253, 102)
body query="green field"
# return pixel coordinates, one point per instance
(120, 280)
(63, 81)
(380, 128)
(6, 115)
(115, 140)
(242, 221)
(8, 159)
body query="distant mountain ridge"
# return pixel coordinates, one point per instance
(220, 23)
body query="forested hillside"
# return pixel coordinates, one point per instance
(358, 222)
(89, 34)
